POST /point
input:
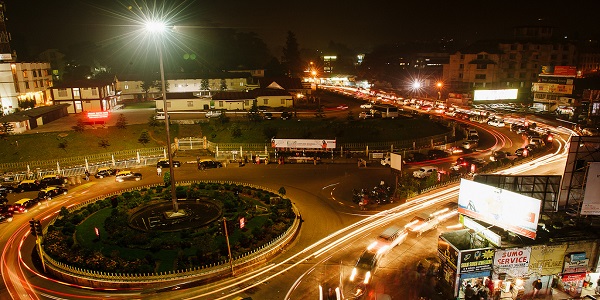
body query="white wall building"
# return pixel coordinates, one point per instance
(24, 81)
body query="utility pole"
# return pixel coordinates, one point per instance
(228, 247)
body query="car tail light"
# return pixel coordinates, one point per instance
(353, 274)
(367, 277)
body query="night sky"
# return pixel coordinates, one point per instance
(358, 24)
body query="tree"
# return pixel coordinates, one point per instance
(270, 132)
(253, 113)
(282, 191)
(27, 103)
(291, 56)
(80, 126)
(223, 85)
(63, 145)
(146, 85)
(103, 143)
(350, 116)
(121, 122)
(235, 129)
(204, 85)
(152, 121)
(144, 137)
(167, 178)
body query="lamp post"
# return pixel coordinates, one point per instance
(158, 28)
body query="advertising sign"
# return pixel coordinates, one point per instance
(447, 253)
(559, 70)
(566, 89)
(5, 56)
(557, 80)
(591, 201)
(547, 259)
(577, 266)
(476, 260)
(502, 208)
(396, 161)
(506, 94)
(572, 283)
(514, 262)
(303, 144)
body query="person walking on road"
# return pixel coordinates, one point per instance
(159, 171)
(537, 286)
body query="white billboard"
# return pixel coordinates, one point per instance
(502, 208)
(514, 262)
(487, 95)
(303, 144)
(591, 200)
(396, 161)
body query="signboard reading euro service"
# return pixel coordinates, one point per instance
(502, 208)
(303, 144)
(506, 94)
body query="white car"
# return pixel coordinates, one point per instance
(213, 113)
(424, 172)
(496, 122)
(366, 106)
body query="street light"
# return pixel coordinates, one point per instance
(157, 28)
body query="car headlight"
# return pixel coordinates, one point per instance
(353, 274)
(367, 278)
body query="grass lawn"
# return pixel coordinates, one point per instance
(135, 105)
(86, 237)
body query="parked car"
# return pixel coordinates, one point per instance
(425, 171)
(366, 106)
(164, 163)
(208, 164)
(470, 144)
(213, 113)
(51, 192)
(105, 172)
(53, 180)
(268, 116)
(6, 213)
(415, 157)
(366, 115)
(23, 205)
(342, 106)
(28, 185)
(285, 115)
(128, 175)
(437, 154)
(496, 123)
(498, 155)
(537, 141)
(521, 152)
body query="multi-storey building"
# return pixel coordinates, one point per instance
(507, 64)
(90, 95)
(20, 81)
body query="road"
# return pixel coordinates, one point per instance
(333, 234)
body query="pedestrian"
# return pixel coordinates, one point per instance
(469, 292)
(87, 175)
(158, 171)
(537, 286)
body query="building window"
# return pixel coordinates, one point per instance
(26, 85)
(35, 84)
(533, 75)
(78, 106)
(62, 93)
(221, 103)
(282, 101)
(266, 101)
(565, 56)
(479, 76)
(168, 104)
(512, 65)
(510, 75)
(482, 56)
(462, 56)
(94, 92)
(553, 57)
(523, 65)
(76, 92)
(247, 102)
(481, 66)
(512, 56)
(190, 104)
(462, 66)
(241, 83)
(460, 75)
(24, 74)
(536, 56)
(522, 75)
(513, 47)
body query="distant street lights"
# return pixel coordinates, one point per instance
(157, 28)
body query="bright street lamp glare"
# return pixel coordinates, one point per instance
(155, 26)
(416, 85)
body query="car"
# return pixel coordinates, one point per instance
(127, 175)
(6, 213)
(342, 106)
(105, 172)
(450, 113)
(472, 132)
(425, 171)
(51, 192)
(415, 157)
(208, 164)
(160, 115)
(531, 147)
(496, 123)
(213, 113)
(426, 107)
(437, 154)
(268, 116)
(537, 141)
(422, 223)
(387, 161)
(164, 163)
(590, 132)
(366, 106)
(23, 205)
(470, 144)
(366, 115)
(53, 180)
(467, 161)
(454, 150)
(5, 189)
(521, 152)
(365, 267)
(285, 115)
(446, 211)
(498, 155)
(28, 185)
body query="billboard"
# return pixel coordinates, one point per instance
(547, 259)
(488, 95)
(514, 262)
(502, 208)
(476, 260)
(591, 201)
(396, 161)
(556, 80)
(566, 89)
(559, 71)
(303, 144)
(489, 235)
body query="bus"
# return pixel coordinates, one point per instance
(385, 111)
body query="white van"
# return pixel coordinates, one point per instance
(424, 172)
(160, 115)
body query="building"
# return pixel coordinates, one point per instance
(26, 120)
(554, 90)
(508, 64)
(21, 81)
(88, 95)
(131, 87)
